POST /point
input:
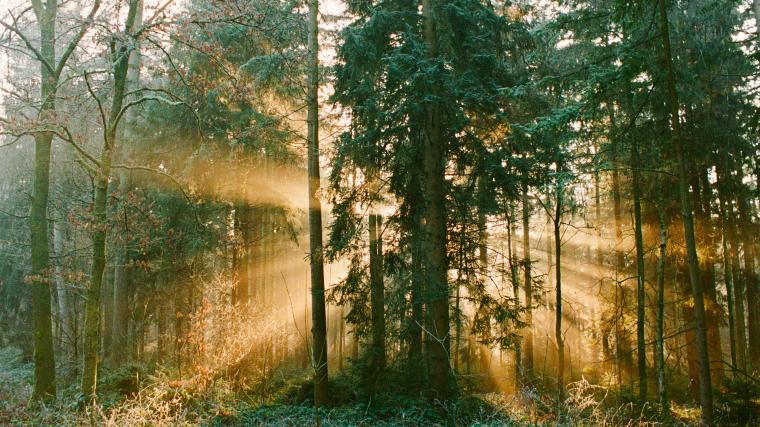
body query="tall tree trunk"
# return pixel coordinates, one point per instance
(728, 265)
(377, 293)
(640, 288)
(705, 384)
(92, 302)
(752, 282)
(121, 295)
(623, 353)
(515, 279)
(122, 285)
(415, 329)
(319, 322)
(527, 282)
(435, 216)
(558, 291)
(739, 287)
(44, 358)
(107, 307)
(64, 304)
(660, 340)
(705, 238)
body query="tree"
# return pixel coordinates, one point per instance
(51, 69)
(319, 322)
(705, 383)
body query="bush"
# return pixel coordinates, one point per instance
(739, 402)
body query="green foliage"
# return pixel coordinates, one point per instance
(738, 404)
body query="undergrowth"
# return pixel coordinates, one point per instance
(137, 395)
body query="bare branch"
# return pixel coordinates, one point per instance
(75, 41)
(37, 54)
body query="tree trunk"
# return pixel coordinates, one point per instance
(415, 329)
(752, 283)
(435, 216)
(377, 293)
(623, 353)
(319, 322)
(739, 287)
(527, 282)
(660, 340)
(515, 279)
(92, 299)
(705, 239)
(92, 302)
(705, 384)
(558, 290)
(122, 285)
(44, 358)
(640, 288)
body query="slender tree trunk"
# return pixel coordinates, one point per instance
(558, 291)
(377, 292)
(705, 239)
(64, 305)
(623, 354)
(122, 286)
(435, 239)
(515, 279)
(728, 266)
(415, 329)
(107, 307)
(752, 283)
(729, 278)
(640, 288)
(92, 302)
(660, 340)
(319, 322)
(527, 282)
(688, 225)
(739, 282)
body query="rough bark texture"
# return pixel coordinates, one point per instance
(437, 291)
(705, 385)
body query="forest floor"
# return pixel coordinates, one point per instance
(157, 400)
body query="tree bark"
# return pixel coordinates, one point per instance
(527, 282)
(558, 289)
(377, 293)
(662, 390)
(515, 279)
(92, 303)
(319, 322)
(435, 216)
(122, 286)
(44, 357)
(640, 288)
(705, 385)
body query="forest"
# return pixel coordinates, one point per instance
(380, 212)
